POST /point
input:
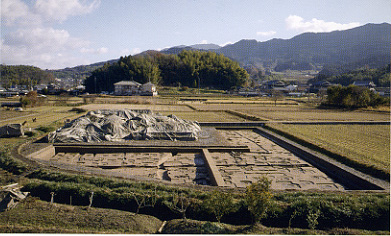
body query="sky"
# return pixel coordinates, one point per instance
(55, 34)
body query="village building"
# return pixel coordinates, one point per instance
(319, 86)
(149, 89)
(365, 83)
(275, 85)
(134, 88)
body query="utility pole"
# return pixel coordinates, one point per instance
(198, 76)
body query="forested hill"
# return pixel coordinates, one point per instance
(380, 76)
(79, 72)
(188, 68)
(367, 45)
(23, 75)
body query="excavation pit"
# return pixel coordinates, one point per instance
(220, 157)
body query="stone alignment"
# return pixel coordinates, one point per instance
(285, 170)
(220, 167)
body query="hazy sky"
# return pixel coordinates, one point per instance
(54, 34)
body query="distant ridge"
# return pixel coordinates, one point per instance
(209, 46)
(367, 45)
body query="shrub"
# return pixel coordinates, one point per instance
(352, 97)
(46, 129)
(257, 198)
(78, 110)
(219, 203)
(31, 99)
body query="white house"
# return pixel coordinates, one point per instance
(149, 89)
(134, 88)
(127, 88)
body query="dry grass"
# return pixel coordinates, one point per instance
(365, 144)
(303, 113)
(35, 216)
(204, 227)
(156, 108)
(45, 115)
(216, 116)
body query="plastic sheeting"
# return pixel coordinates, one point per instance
(121, 125)
(11, 130)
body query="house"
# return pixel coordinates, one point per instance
(148, 89)
(127, 88)
(319, 86)
(131, 87)
(365, 83)
(275, 84)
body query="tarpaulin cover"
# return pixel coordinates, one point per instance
(11, 130)
(121, 125)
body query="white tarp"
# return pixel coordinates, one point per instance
(121, 125)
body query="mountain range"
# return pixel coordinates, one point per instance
(367, 45)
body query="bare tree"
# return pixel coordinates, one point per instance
(52, 198)
(91, 198)
(276, 95)
(145, 200)
(179, 204)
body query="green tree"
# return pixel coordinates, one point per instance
(352, 97)
(258, 197)
(190, 68)
(219, 203)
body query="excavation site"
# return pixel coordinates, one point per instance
(139, 144)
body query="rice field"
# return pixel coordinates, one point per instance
(365, 144)
(45, 115)
(153, 107)
(214, 116)
(312, 114)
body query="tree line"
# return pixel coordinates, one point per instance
(353, 97)
(24, 75)
(188, 68)
(338, 75)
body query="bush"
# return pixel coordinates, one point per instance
(31, 99)
(353, 97)
(219, 203)
(46, 129)
(78, 110)
(257, 197)
(29, 133)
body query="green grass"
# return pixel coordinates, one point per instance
(368, 145)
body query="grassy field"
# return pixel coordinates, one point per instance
(44, 115)
(215, 116)
(47, 116)
(60, 218)
(35, 216)
(155, 108)
(305, 113)
(365, 144)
